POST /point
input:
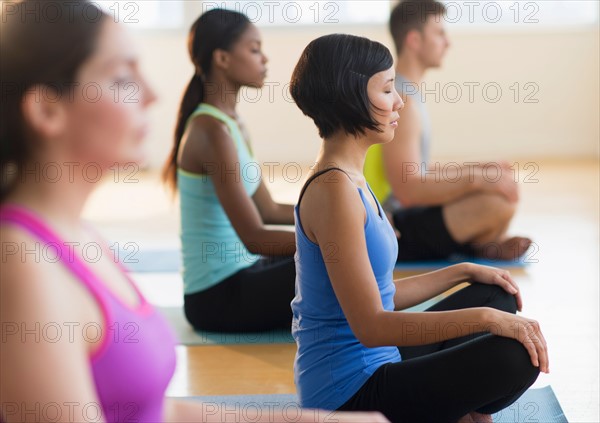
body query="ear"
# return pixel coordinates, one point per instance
(43, 111)
(221, 59)
(414, 38)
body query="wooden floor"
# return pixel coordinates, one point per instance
(560, 212)
(234, 370)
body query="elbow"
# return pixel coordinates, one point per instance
(406, 198)
(407, 193)
(250, 239)
(368, 336)
(253, 248)
(270, 214)
(267, 217)
(369, 342)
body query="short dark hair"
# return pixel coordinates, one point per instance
(411, 15)
(329, 83)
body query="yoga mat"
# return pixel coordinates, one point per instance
(186, 334)
(536, 405)
(169, 260)
(437, 264)
(151, 261)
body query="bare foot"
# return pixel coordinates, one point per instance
(465, 419)
(509, 249)
(481, 418)
(475, 417)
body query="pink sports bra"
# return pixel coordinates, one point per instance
(135, 360)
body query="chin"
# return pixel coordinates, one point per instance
(384, 138)
(258, 84)
(136, 157)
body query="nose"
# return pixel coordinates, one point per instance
(399, 103)
(265, 59)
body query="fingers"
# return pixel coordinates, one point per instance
(519, 301)
(542, 347)
(514, 288)
(529, 345)
(535, 343)
(511, 287)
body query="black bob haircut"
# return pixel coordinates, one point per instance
(329, 83)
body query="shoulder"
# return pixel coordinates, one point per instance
(34, 282)
(204, 128)
(205, 137)
(331, 198)
(330, 186)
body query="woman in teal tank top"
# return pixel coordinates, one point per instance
(238, 275)
(463, 358)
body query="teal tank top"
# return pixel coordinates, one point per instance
(211, 248)
(331, 364)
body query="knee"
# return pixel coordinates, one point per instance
(503, 300)
(514, 361)
(497, 207)
(496, 297)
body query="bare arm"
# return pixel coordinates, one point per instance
(416, 289)
(43, 375)
(403, 167)
(271, 212)
(209, 149)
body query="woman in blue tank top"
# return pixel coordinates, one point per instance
(238, 275)
(462, 358)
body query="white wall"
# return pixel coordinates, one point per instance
(564, 123)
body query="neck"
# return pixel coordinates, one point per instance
(222, 93)
(56, 190)
(410, 67)
(346, 152)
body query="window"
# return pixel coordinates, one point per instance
(179, 14)
(308, 12)
(146, 14)
(521, 13)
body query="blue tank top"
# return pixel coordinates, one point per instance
(211, 248)
(331, 364)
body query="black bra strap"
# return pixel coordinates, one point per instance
(316, 175)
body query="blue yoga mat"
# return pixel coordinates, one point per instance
(536, 405)
(152, 261)
(438, 264)
(186, 335)
(161, 261)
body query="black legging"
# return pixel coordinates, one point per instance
(254, 299)
(444, 381)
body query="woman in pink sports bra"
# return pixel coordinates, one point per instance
(79, 341)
